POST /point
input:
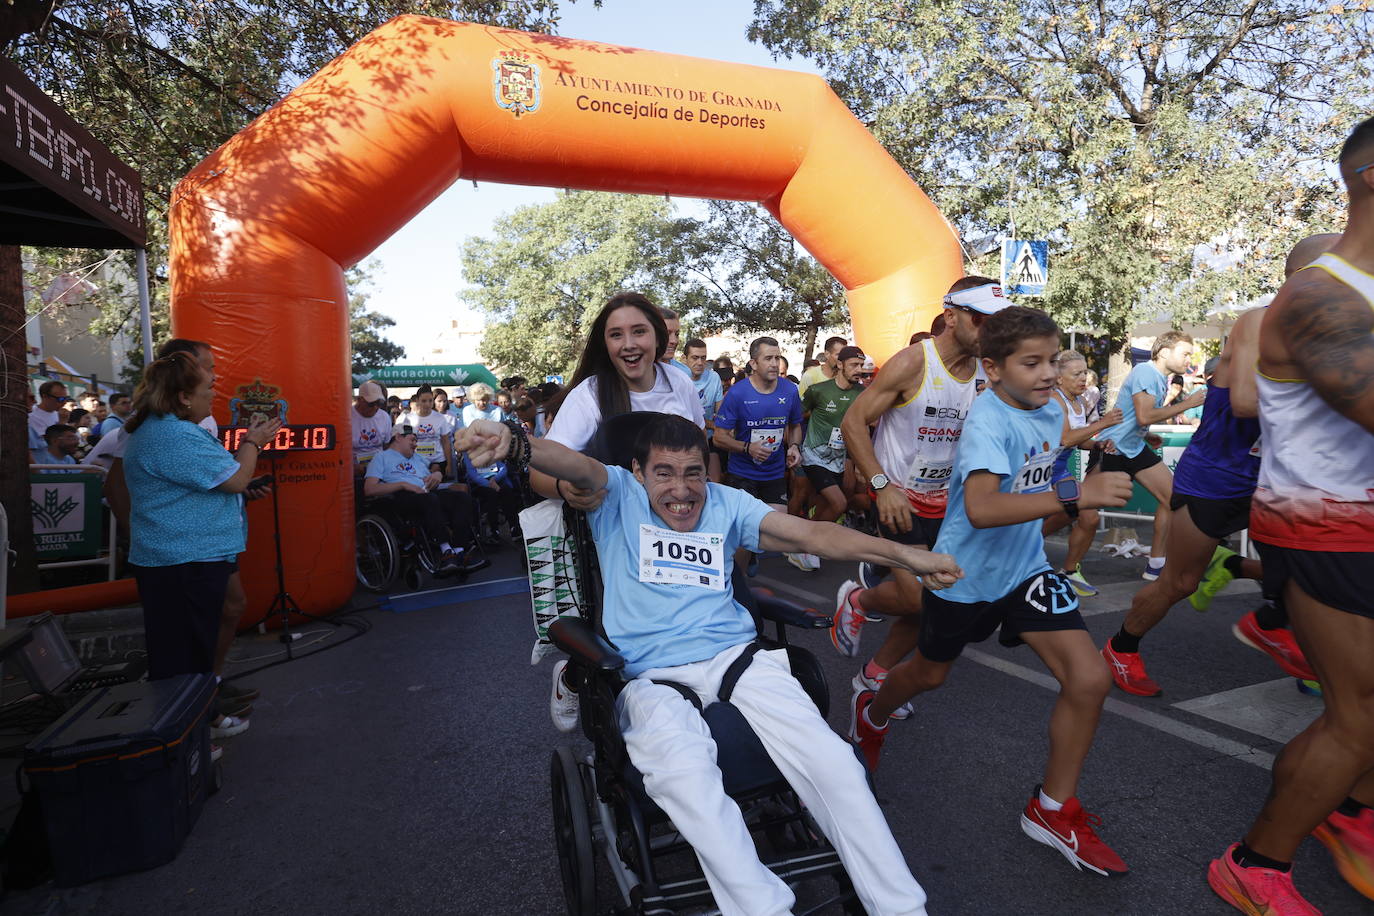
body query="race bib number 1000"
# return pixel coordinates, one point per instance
(668, 557)
(1036, 474)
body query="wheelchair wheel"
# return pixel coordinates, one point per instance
(572, 834)
(378, 560)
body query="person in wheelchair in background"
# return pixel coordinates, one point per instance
(396, 474)
(665, 540)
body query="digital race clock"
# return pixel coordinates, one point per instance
(296, 437)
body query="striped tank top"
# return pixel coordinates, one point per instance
(1316, 479)
(916, 441)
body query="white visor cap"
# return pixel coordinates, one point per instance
(987, 299)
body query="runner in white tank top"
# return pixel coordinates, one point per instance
(1312, 517)
(1073, 382)
(918, 401)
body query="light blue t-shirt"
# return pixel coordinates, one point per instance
(390, 466)
(708, 390)
(656, 625)
(110, 424)
(471, 413)
(683, 366)
(43, 456)
(172, 467)
(1129, 434)
(1020, 447)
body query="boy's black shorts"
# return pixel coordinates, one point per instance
(1043, 603)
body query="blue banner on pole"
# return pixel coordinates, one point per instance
(1025, 267)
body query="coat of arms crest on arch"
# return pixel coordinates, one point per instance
(515, 84)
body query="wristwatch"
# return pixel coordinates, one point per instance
(878, 481)
(1067, 491)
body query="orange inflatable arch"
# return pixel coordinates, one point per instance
(262, 230)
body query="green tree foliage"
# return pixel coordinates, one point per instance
(164, 82)
(1141, 137)
(370, 350)
(752, 276)
(548, 269)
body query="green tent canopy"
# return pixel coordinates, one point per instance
(404, 376)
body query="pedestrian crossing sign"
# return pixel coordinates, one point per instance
(1025, 267)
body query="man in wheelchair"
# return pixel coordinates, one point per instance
(665, 539)
(445, 515)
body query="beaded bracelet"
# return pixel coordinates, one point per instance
(519, 454)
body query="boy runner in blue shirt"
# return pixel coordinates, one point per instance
(1001, 487)
(664, 538)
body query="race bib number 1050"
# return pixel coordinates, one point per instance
(668, 557)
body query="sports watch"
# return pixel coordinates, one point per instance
(1067, 490)
(877, 481)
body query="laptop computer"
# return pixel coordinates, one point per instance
(52, 668)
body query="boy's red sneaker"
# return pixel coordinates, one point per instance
(1071, 831)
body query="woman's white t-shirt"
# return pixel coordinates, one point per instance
(578, 418)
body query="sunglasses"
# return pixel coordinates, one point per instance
(1364, 168)
(976, 315)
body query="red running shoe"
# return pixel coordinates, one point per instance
(1257, 891)
(1351, 841)
(868, 737)
(1277, 644)
(1128, 671)
(1070, 830)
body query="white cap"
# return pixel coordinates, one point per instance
(460, 392)
(371, 392)
(987, 299)
(402, 429)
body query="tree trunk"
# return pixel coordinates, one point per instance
(1118, 367)
(811, 327)
(14, 425)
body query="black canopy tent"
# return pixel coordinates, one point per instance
(60, 186)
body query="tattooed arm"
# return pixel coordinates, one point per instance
(1327, 328)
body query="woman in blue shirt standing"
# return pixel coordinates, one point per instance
(187, 525)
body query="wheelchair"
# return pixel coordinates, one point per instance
(600, 808)
(391, 547)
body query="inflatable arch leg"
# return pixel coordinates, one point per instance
(262, 230)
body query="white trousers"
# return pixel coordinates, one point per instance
(669, 743)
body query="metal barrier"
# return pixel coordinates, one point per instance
(109, 558)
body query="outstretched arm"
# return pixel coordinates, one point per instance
(1327, 329)
(788, 533)
(487, 442)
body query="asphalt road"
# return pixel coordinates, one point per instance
(406, 772)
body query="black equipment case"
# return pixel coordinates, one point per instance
(122, 777)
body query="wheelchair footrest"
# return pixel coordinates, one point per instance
(695, 891)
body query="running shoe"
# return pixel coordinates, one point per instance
(1082, 586)
(1257, 891)
(848, 620)
(1277, 644)
(868, 737)
(800, 561)
(1351, 842)
(870, 574)
(864, 682)
(1128, 671)
(563, 705)
(228, 727)
(1151, 573)
(1214, 580)
(1072, 832)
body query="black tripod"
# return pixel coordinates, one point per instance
(282, 602)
